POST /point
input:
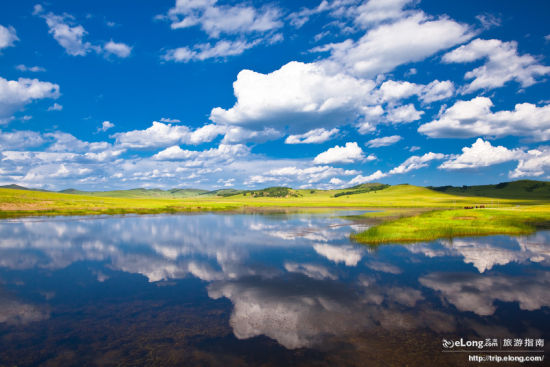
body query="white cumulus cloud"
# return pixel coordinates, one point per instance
(402, 114)
(313, 136)
(299, 96)
(8, 36)
(160, 134)
(466, 119)
(215, 19)
(384, 141)
(535, 163)
(503, 64)
(106, 125)
(415, 162)
(481, 154)
(407, 40)
(70, 36)
(14, 94)
(349, 153)
(224, 152)
(119, 49)
(205, 51)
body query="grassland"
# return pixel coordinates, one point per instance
(458, 223)
(403, 213)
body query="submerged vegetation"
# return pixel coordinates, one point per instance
(402, 213)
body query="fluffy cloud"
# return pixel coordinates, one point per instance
(310, 175)
(236, 134)
(298, 96)
(8, 36)
(407, 40)
(349, 153)
(223, 152)
(312, 136)
(359, 179)
(20, 139)
(473, 118)
(14, 94)
(376, 11)
(70, 36)
(384, 141)
(216, 19)
(394, 90)
(205, 51)
(436, 90)
(162, 135)
(361, 13)
(481, 154)
(406, 113)
(106, 125)
(416, 162)
(503, 64)
(533, 164)
(119, 49)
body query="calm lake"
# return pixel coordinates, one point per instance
(270, 290)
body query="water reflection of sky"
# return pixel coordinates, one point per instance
(296, 279)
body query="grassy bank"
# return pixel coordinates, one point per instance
(404, 213)
(458, 223)
(15, 203)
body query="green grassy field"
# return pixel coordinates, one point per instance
(522, 189)
(404, 213)
(458, 223)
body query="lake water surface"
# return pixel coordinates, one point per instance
(273, 290)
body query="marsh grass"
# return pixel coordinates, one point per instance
(457, 223)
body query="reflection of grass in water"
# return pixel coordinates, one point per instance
(457, 223)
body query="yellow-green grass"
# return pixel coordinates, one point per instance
(458, 223)
(399, 196)
(26, 202)
(406, 213)
(17, 203)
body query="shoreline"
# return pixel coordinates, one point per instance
(399, 214)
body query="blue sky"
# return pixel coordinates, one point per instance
(324, 94)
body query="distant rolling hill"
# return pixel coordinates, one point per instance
(522, 189)
(359, 189)
(18, 187)
(140, 193)
(222, 192)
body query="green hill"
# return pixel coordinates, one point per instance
(140, 193)
(522, 189)
(274, 192)
(360, 189)
(17, 187)
(222, 192)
